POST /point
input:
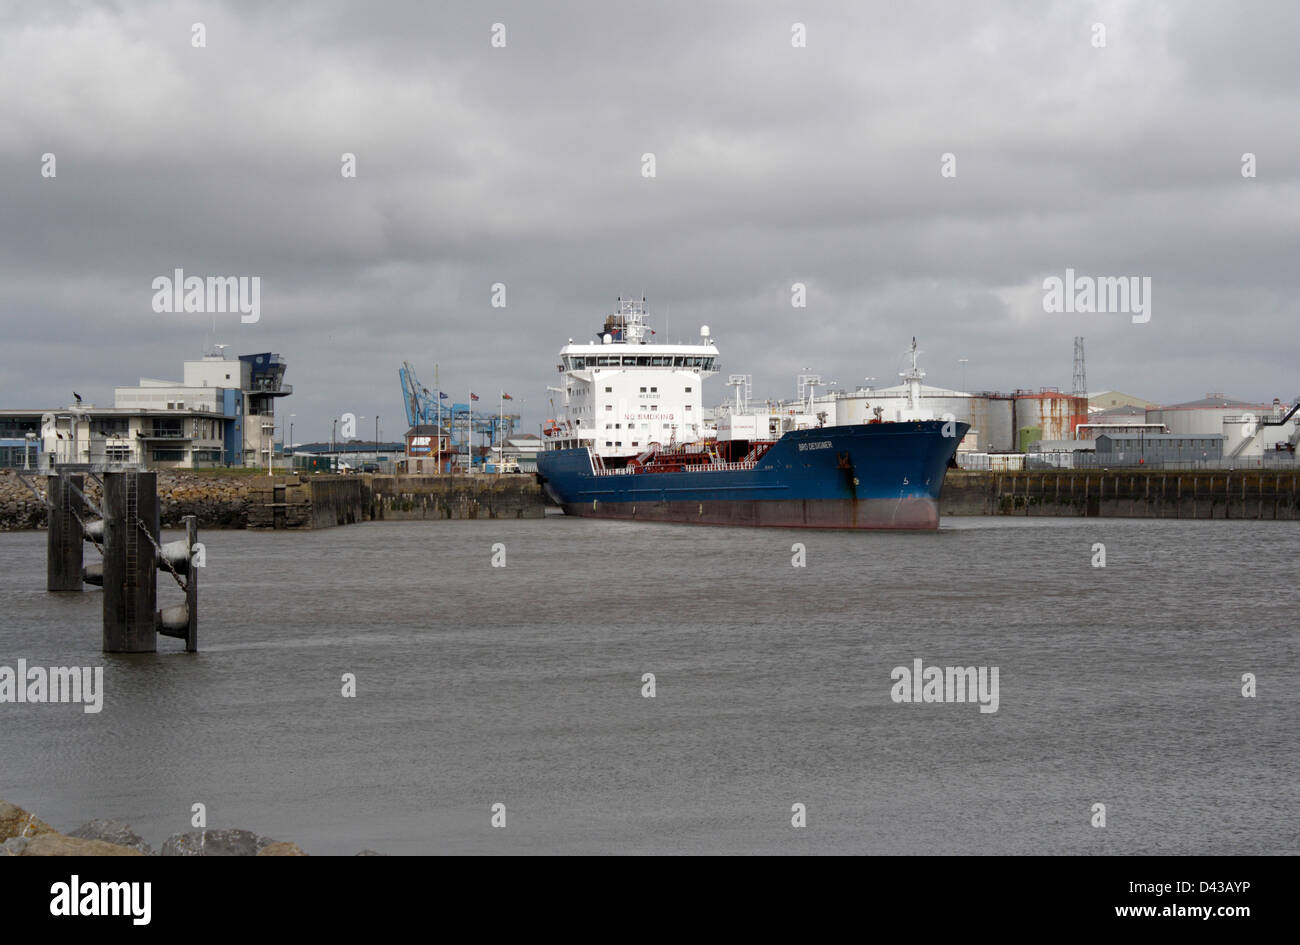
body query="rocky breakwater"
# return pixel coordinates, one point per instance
(218, 501)
(20, 509)
(25, 834)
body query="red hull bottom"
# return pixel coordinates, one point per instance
(903, 513)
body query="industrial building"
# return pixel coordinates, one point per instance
(1122, 419)
(427, 445)
(1140, 449)
(222, 413)
(1109, 399)
(518, 454)
(1249, 431)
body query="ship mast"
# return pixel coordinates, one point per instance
(913, 378)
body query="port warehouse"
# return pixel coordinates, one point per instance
(223, 413)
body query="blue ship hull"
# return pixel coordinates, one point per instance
(880, 475)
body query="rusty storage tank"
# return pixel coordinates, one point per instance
(1054, 414)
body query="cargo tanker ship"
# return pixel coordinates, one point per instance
(632, 443)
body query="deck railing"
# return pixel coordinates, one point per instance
(703, 467)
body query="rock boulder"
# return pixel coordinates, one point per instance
(16, 822)
(112, 831)
(214, 843)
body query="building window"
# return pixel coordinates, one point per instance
(688, 390)
(609, 390)
(608, 443)
(688, 406)
(635, 443)
(654, 390)
(609, 407)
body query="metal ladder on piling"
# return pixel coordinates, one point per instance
(132, 525)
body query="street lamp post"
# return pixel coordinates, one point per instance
(362, 419)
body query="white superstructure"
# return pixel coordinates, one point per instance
(624, 391)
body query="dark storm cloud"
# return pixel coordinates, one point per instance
(522, 165)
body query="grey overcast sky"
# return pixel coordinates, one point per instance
(774, 165)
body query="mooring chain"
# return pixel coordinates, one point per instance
(90, 505)
(98, 510)
(179, 583)
(82, 523)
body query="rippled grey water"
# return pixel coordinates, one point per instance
(522, 685)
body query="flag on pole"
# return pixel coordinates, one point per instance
(505, 396)
(473, 396)
(441, 395)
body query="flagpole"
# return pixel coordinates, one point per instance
(469, 434)
(501, 440)
(437, 465)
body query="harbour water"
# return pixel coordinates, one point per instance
(522, 685)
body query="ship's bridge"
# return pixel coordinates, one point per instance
(624, 391)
